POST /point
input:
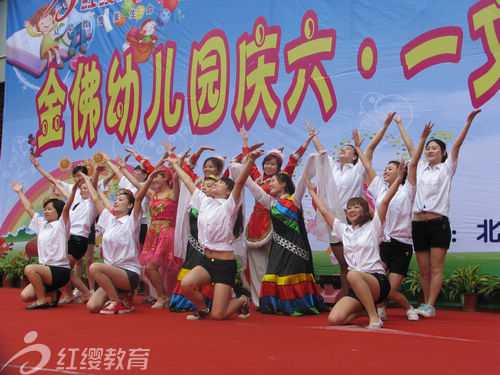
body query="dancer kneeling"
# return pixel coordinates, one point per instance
(218, 226)
(361, 238)
(119, 274)
(53, 270)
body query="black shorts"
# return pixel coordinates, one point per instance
(384, 284)
(220, 271)
(142, 233)
(60, 277)
(431, 233)
(396, 255)
(77, 246)
(92, 235)
(133, 279)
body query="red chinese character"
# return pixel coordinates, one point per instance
(85, 101)
(208, 82)
(162, 105)
(50, 105)
(304, 55)
(123, 94)
(257, 70)
(484, 21)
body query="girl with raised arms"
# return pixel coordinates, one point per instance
(53, 270)
(431, 227)
(396, 246)
(360, 238)
(218, 226)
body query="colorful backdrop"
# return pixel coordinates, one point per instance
(100, 75)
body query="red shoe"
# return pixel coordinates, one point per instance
(116, 307)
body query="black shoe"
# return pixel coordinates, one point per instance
(35, 306)
(54, 301)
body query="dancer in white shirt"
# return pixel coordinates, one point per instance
(349, 177)
(53, 270)
(396, 246)
(119, 274)
(218, 226)
(366, 274)
(431, 226)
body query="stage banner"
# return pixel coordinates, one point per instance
(91, 76)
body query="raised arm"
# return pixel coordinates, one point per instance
(384, 205)
(94, 195)
(61, 189)
(69, 203)
(44, 173)
(315, 140)
(412, 166)
(460, 139)
(28, 206)
(329, 217)
(378, 137)
(240, 181)
(366, 162)
(175, 164)
(109, 162)
(404, 134)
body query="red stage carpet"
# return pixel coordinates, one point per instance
(160, 342)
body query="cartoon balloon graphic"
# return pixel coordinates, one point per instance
(139, 12)
(126, 7)
(170, 4)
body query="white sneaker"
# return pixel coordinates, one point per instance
(76, 293)
(411, 313)
(377, 325)
(382, 313)
(427, 311)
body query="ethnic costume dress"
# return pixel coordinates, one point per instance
(288, 287)
(159, 243)
(194, 255)
(259, 230)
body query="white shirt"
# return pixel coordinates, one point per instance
(119, 240)
(52, 241)
(124, 183)
(399, 213)
(433, 187)
(349, 180)
(82, 215)
(361, 244)
(216, 218)
(69, 188)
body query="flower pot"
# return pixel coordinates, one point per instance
(7, 283)
(470, 302)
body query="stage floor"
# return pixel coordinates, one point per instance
(69, 340)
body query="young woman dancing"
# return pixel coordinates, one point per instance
(366, 274)
(396, 248)
(431, 226)
(53, 270)
(288, 287)
(349, 177)
(218, 226)
(82, 236)
(119, 274)
(258, 233)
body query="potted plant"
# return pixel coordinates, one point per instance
(14, 268)
(467, 283)
(413, 284)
